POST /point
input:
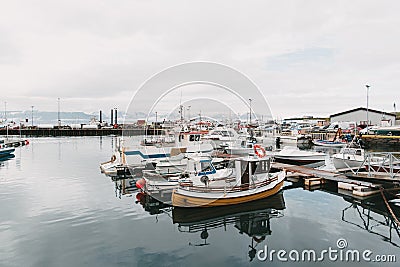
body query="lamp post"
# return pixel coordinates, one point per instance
(32, 116)
(58, 113)
(5, 118)
(367, 104)
(250, 110)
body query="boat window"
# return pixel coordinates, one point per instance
(358, 152)
(262, 167)
(197, 137)
(205, 166)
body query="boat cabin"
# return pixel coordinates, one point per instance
(186, 138)
(353, 151)
(249, 167)
(201, 166)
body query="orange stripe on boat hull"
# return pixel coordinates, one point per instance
(180, 200)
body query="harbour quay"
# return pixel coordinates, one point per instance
(41, 132)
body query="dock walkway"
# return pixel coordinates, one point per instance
(327, 175)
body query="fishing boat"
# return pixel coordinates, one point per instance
(293, 155)
(220, 136)
(339, 140)
(252, 179)
(243, 147)
(187, 142)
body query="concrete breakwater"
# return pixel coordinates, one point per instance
(80, 132)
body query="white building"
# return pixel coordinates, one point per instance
(359, 115)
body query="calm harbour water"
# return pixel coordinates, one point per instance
(57, 209)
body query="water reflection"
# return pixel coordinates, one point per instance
(251, 219)
(4, 160)
(124, 185)
(372, 216)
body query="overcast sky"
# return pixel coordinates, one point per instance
(307, 57)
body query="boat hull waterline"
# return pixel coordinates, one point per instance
(184, 198)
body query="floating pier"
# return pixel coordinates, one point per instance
(360, 185)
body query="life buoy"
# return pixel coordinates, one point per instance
(113, 158)
(257, 149)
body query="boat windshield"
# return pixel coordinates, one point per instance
(262, 167)
(205, 166)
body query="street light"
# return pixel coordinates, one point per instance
(32, 116)
(58, 113)
(367, 104)
(250, 110)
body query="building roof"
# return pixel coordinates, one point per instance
(361, 108)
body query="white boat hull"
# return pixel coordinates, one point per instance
(184, 197)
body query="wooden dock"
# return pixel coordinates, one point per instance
(359, 185)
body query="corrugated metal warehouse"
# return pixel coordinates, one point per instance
(359, 115)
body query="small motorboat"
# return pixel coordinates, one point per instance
(251, 179)
(160, 184)
(348, 158)
(293, 155)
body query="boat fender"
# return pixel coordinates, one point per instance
(258, 239)
(113, 158)
(140, 183)
(257, 149)
(204, 179)
(204, 234)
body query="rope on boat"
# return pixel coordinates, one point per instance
(389, 208)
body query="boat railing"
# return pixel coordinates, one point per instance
(381, 162)
(225, 189)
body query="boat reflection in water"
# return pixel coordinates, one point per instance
(373, 215)
(252, 219)
(124, 185)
